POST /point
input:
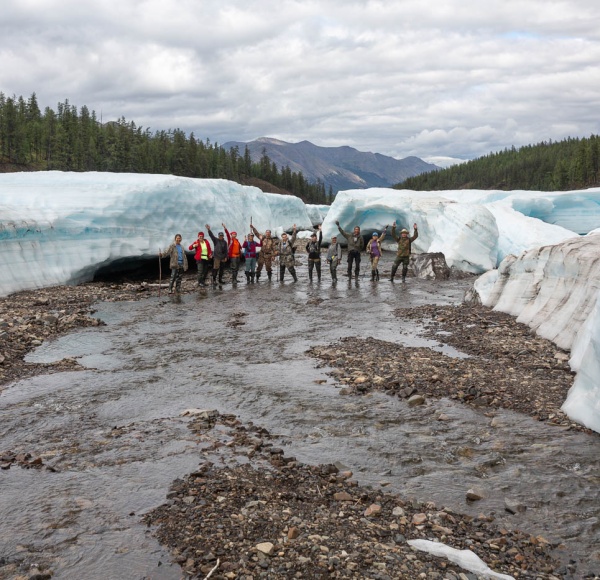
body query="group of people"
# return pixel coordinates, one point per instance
(261, 251)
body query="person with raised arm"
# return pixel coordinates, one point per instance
(314, 254)
(356, 245)
(250, 248)
(267, 252)
(235, 253)
(404, 250)
(220, 254)
(374, 251)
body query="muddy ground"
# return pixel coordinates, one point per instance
(274, 517)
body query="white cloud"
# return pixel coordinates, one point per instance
(456, 81)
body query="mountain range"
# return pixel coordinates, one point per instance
(340, 168)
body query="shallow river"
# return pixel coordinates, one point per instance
(157, 357)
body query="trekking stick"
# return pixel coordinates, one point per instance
(159, 272)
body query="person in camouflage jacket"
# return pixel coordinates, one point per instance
(267, 252)
(404, 250)
(285, 251)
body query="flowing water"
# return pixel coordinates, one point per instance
(115, 436)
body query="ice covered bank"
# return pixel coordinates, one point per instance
(59, 228)
(474, 230)
(556, 291)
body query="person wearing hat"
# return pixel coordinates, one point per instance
(220, 254)
(250, 247)
(285, 251)
(202, 256)
(235, 253)
(267, 252)
(314, 254)
(404, 249)
(374, 251)
(334, 255)
(356, 245)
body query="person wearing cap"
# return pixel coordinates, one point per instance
(356, 245)
(267, 252)
(404, 249)
(177, 262)
(202, 256)
(250, 247)
(314, 254)
(235, 253)
(374, 251)
(334, 255)
(285, 251)
(220, 254)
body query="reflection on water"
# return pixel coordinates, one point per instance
(114, 432)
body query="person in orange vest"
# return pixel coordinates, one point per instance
(235, 253)
(202, 256)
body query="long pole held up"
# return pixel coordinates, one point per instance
(159, 271)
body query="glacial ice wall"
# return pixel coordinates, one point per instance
(474, 230)
(60, 228)
(556, 291)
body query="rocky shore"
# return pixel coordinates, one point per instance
(269, 516)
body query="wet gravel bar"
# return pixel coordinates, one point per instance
(267, 515)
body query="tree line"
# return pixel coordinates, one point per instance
(547, 166)
(72, 139)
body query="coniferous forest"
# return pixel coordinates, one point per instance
(71, 139)
(551, 166)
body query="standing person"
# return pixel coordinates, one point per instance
(285, 251)
(235, 253)
(314, 254)
(202, 256)
(220, 254)
(374, 251)
(404, 249)
(356, 245)
(177, 262)
(267, 252)
(334, 256)
(250, 248)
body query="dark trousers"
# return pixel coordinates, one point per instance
(353, 256)
(312, 264)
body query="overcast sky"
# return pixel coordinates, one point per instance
(448, 79)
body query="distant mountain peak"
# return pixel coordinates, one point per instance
(340, 168)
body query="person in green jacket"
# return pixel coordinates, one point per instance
(404, 249)
(356, 245)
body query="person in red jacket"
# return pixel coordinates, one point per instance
(202, 256)
(235, 253)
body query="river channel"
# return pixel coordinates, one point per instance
(115, 437)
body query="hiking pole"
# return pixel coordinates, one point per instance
(159, 271)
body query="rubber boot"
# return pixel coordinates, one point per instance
(257, 276)
(234, 279)
(281, 273)
(318, 267)
(372, 275)
(357, 273)
(269, 274)
(252, 274)
(404, 272)
(220, 275)
(293, 273)
(394, 268)
(214, 277)
(377, 275)
(247, 277)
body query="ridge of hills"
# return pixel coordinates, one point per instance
(338, 168)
